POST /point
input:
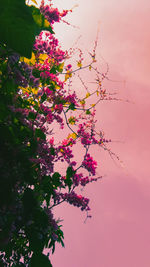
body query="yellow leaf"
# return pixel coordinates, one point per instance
(34, 1)
(24, 90)
(30, 3)
(42, 57)
(34, 90)
(87, 95)
(67, 75)
(46, 23)
(57, 87)
(66, 104)
(90, 67)
(97, 92)
(29, 61)
(33, 60)
(79, 64)
(69, 135)
(74, 135)
(92, 105)
(82, 102)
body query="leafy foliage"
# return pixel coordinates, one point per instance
(18, 28)
(19, 25)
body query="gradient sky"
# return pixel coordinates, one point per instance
(118, 235)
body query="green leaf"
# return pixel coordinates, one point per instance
(32, 116)
(52, 244)
(39, 133)
(29, 201)
(39, 260)
(69, 183)
(52, 150)
(62, 243)
(18, 28)
(88, 112)
(56, 175)
(4, 112)
(70, 172)
(60, 67)
(56, 179)
(43, 98)
(72, 106)
(46, 185)
(47, 198)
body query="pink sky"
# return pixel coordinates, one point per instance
(118, 235)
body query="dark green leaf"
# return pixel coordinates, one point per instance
(52, 150)
(70, 172)
(39, 133)
(32, 115)
(72, 106)
(88, 112)
(40, 260)
(18, 28)
(56, 175)
(56, 179)
(43, 98)
(69, 183)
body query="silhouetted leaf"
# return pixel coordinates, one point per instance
(56, 179)
(18, 28)
(40, 260)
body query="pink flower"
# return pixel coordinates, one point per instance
(65, 142)
(76, 200)
(51, 141)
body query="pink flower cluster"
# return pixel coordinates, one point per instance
(89, 164)
(72, 98)
(76, 200)
(65, 153)
(77, 178)
(46, 43)
(85, 137)
(83, 181)
(103, 140)
(51, 14)
(51, 116)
